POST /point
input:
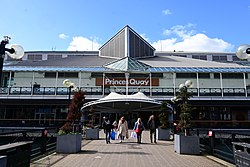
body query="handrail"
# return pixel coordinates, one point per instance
(98, 90)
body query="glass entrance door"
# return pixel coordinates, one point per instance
(45, 118)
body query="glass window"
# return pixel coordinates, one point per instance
(52, 57)
(217, 75)
(204, 75)
(68, 75)
(50, 74)
(216, 58)
(232, 75)
(186, 75)
(34, 57)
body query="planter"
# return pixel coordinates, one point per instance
(70, 143)
(163, 134)
(92, 134)
(187, 144)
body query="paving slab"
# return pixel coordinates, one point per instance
(96, 153)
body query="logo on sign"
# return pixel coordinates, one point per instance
(121, 82)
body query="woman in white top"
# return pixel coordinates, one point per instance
(122, 129)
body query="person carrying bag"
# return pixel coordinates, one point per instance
(138, 128)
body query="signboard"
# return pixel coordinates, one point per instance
(131, 82)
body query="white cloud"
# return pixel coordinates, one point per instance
(63, 36)
(166, 12)
(183, 38)
(182, 31)
(80, 43)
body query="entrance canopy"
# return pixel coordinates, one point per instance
(118, 102)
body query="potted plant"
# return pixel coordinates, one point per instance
(69, 136)
(184, 142)
(92, 131)
(163, 131)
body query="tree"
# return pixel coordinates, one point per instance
(91, 116)
(164, 115)
(185, 110)
(74, 113)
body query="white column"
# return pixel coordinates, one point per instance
(80, 78)
(221, 84)
(9, 79)
(103, 84)
(56, 79)
(126, 76)
(174, 82)
(150, 82)
(245, 84)
(198, 84)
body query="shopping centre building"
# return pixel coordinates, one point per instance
(127, 76)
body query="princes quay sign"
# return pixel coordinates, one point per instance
(131, 82)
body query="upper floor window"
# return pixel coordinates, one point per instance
(186, 75)
(52, 57)
(50, 74)
(232, 75)
(201, 57)
(204, 75)
(67, 74)
(34, 57)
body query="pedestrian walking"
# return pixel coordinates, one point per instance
(107, 126)
(138, 128)
(152, 125)
(114, 125)
(122, 129)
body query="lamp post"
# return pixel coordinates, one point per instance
(2, 53)
(243, 52)
(70, 85)
(183, 96)
(174, 100)
(15, 52)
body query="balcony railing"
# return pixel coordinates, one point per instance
(154, 91)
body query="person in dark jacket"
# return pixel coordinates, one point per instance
(107, 126)
(152, 125)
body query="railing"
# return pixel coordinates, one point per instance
(219, 142)
(43, 139)
(154, 91)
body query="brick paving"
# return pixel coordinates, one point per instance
(96, 153)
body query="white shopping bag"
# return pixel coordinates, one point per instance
(133, 135)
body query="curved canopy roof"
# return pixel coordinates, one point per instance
(116, 101)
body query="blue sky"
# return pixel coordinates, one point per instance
(193, 25)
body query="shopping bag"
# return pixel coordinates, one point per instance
(112, 135)
(133, 135)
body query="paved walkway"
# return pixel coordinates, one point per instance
(97, 153)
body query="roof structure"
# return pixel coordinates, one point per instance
(115, 100)
(126, 51)
(127, 64)
(127, 43)
(95, 63)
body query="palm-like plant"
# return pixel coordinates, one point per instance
(163, 115)
(185, 110)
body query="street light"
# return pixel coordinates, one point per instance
(15, 52)
(183, 96)
(243, 52)
(71, 86)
